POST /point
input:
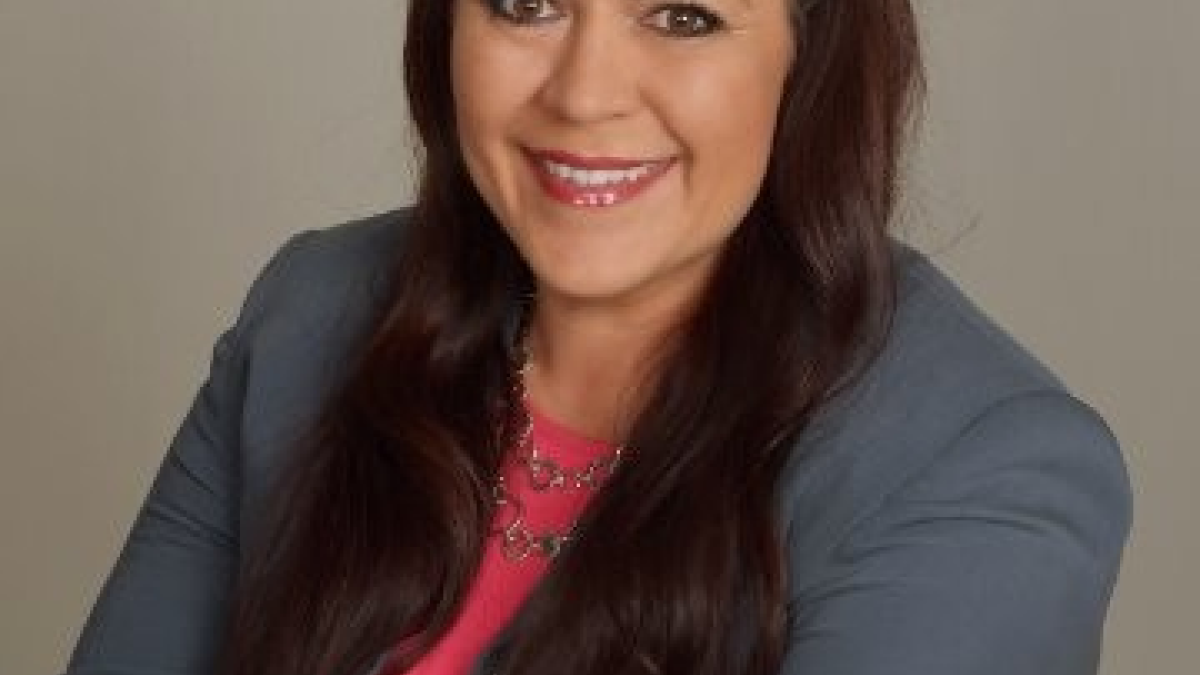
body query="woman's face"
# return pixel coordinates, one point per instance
(619, 142)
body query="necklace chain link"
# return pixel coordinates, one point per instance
(518, 541)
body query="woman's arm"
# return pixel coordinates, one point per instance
(998, 558)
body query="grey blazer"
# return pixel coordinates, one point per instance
(956, 512)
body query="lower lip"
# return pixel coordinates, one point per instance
(596, 196)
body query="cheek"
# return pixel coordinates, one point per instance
(476, 75)
(493, 80)
(727, 96)
(479, 116)
(725, 120)
(469, 81)
(492, 72)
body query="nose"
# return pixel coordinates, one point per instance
(593, 74)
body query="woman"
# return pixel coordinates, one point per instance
(641, 385)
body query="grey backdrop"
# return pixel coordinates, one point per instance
(154, 152)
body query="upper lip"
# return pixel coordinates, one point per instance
(593, 163)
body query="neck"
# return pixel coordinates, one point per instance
(591, 369)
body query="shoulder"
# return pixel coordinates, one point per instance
(301, 324)
(320, 274)
(951, 400)
(956, 510)
(313, 303)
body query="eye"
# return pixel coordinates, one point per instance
(524, 11)
(684, 20)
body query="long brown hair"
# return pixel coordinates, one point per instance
(378, 526)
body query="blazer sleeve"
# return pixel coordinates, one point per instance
(163, 609)
(998, 557)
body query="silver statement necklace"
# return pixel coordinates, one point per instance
(518, 541)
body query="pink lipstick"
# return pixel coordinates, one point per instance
(594, 181)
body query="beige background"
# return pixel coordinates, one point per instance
(154, 152)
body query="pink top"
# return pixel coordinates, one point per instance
(502, 584)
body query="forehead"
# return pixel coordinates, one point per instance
(740, 4)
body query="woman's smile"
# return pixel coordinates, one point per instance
(590, 182)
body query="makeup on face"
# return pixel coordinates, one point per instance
(592, 182)
(619, 143)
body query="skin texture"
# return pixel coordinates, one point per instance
(631, 80)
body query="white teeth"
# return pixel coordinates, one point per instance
(596, 178)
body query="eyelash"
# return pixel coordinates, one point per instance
(502, 9)
(698, 21)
